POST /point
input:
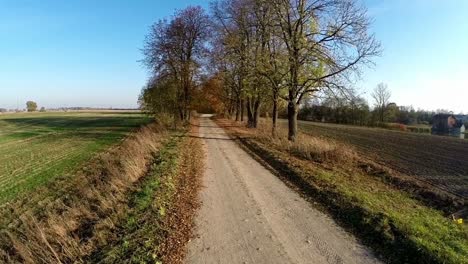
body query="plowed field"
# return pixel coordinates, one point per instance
(441, 161)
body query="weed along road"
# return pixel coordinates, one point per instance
(248, 215)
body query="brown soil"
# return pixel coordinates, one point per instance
(440, 161)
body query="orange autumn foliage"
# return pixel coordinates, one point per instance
(209, 98)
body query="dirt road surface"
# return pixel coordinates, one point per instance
(248, 215)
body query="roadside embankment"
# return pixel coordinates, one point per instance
(159, 220)
(390, 220)
(75, 218)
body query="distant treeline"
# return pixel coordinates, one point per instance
(4, 110)
(358, 112)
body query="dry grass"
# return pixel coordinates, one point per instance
(308, 147)
(159, 221)
(68, 219)
(332, 154)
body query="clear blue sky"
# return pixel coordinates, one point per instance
(425, 58)
(76, 52)
(85, 53)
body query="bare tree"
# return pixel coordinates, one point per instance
(381, 96)
(327, 42)
(272, 59)
(242, 31)
(232, 39)
(274, 69)
(260, 23)
(246, 31)
(176, 49)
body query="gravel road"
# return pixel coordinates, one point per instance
(248, 215)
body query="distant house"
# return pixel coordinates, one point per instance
(463, 118)
(448, 124)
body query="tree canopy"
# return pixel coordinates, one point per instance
(31, 106)
(259, 53)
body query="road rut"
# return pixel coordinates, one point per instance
(248, 215)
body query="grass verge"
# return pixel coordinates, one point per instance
(65, 220)
(159, 220)
(397, 226)
(133, 204)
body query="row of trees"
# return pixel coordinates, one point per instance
(250, 55)
(361, 114)
(356, 110)
(175, 52)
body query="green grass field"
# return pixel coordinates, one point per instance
(36, 148)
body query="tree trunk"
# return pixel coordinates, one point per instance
(256, 113)
(238, 110)
(181, 114)
(250, 114)
(231, 110)
(242, 110)
(274, 116)
(292, 121)
(253, 113)
(186, 106)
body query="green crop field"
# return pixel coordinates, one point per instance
(38, 147)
